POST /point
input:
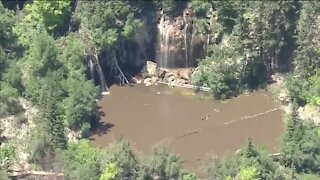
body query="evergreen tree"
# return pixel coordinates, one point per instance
(308, 52)
(292, 138)
(122, 154)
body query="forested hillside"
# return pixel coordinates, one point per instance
(56, 57)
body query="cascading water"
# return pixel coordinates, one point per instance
(192, 41)
(208, 43)
(103, 83)
(178, 44)
(91, 66)
(186, 45)
(163, 41)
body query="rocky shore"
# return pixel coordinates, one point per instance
(153, 75)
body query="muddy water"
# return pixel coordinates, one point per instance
(194, 127)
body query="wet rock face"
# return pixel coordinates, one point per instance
(178, 44)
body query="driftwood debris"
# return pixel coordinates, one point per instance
(189, 86)
(22, 172)
(121, 72)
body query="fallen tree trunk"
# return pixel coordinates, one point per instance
(133, 79)
(22, 172)
(123, 76)
(189, 86)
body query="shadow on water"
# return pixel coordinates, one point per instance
(98, 126)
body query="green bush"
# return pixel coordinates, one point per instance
(82, 162)
(220, 72)
(122, 154)
(7, 156)
(9, 100)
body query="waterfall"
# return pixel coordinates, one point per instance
(186, 45)
(208, 43)
(160, 41)
(103, 83)
(192, 39)
(178, 44)
(167, 46)
(91, 66)
(164, 29)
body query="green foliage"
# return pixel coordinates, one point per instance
(52, 14)
(301, 145)
(308, 177)
(250, 163)
(7, 21)
(111, 22)
(122, 154)
(62, 72)
(44, 89)
(40, 148)
(313, 93)
(256, 163)
(43, 56)
(13, 76)
(251, 51)
(296, 89)
(162, 163)
(222, 169)
(307, 54)
(79, 104)
(7, 156)
(249, 173)
(189, 176)
(305, 91)
(220, 72)
(7, 39)
(3, 175)
(82, 162)
(9, 102)
(112, 172)
(40, 17)
(293, 135)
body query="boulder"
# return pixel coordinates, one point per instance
(171, 78)
(185, 74)
(151, 81)
(154, 79)
(181, 81)
(162, 73)
(171, 73)
(151, 68)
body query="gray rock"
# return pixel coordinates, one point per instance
(162, 73)
(151, 68)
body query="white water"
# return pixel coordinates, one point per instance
(176, 42)
(186, 44)
(91, 69)
(103, 83)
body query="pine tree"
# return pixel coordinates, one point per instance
(292, 137)
(308, 52)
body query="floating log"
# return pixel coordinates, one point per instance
(189, 86)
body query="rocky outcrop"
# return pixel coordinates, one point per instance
(151, 69)
(178, 44)
(172, 77)
(281, 93)
(17, 129)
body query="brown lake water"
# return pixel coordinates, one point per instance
(193, 125)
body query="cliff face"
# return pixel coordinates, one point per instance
(178, 45)
(170, 40)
